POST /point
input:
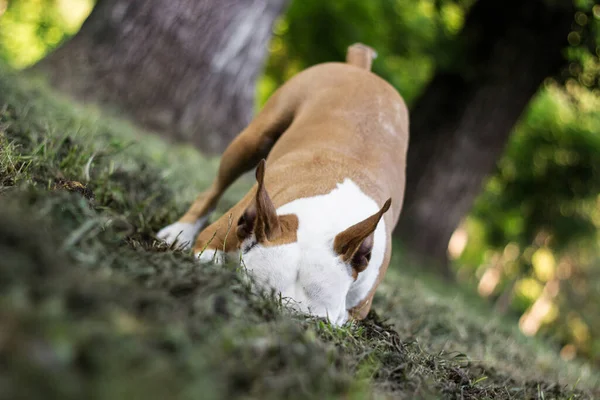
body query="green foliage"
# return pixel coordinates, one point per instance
(31, 28)
(409, 37)
(538, 217)
(584, 43)
(548, 178)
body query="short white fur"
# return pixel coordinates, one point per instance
(309, 271)
(183, 233)
(214, 255)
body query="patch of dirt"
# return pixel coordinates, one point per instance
(74, 186)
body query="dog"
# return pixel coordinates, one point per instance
(317, 225)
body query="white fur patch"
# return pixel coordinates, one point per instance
(214, 255)
(181, 233)
(309, 271)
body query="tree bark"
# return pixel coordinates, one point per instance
(461, 123)
(185, 68)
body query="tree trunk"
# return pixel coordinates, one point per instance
(461, 123)
(185, 68)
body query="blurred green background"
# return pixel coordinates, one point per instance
(531, 243)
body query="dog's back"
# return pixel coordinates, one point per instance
(347, 121)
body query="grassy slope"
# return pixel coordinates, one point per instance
(92, 307)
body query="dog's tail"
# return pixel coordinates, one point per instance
(361, 55)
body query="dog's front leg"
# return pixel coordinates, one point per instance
(184, 231)
(241, 155)
(218, 243)
(182, 234)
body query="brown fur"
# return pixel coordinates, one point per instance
(330, 122)
(261, 218)
(355, 243)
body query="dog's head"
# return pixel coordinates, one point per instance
(315, 274)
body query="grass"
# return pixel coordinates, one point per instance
(92, 307)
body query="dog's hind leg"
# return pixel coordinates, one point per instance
(243, 154)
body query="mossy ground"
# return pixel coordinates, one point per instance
(92, 307)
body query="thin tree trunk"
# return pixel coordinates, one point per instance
(186, 68)
(461, 123)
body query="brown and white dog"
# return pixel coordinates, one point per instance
(335, 137)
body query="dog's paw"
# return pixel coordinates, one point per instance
(211, 255)
(182, 234)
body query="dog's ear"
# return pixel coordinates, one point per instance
(246, 223)
(354, 244)
(260, 217)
